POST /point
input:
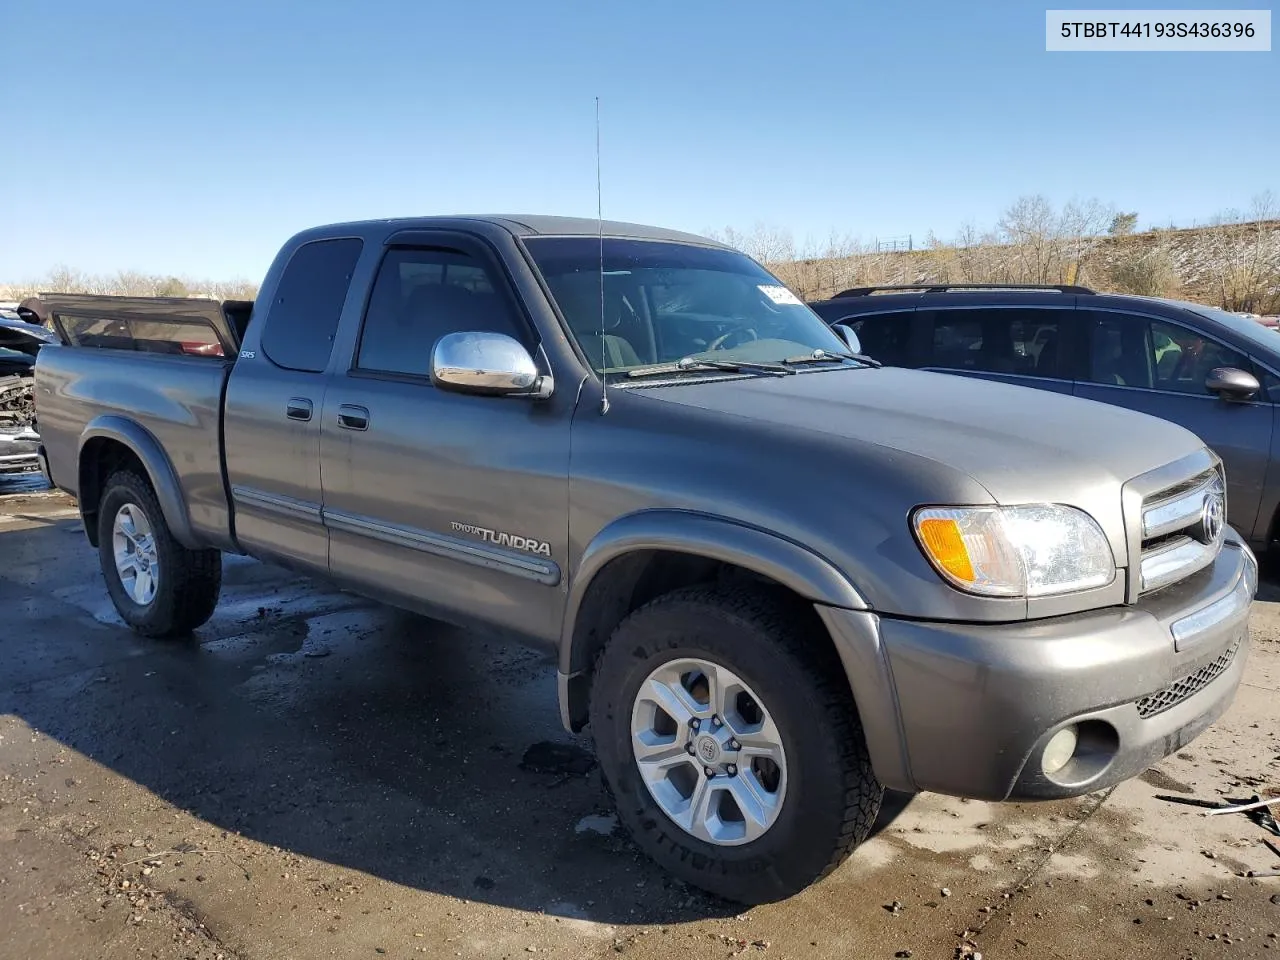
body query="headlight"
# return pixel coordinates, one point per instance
(1024, 551)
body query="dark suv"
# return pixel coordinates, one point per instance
(1216, 373)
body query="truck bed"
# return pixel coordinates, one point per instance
(149, 373)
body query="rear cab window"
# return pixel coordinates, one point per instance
(303, 316)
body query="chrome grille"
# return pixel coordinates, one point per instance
(1188, 686)
(1182, 530)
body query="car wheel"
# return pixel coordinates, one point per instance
(159, 587)
(729, 739)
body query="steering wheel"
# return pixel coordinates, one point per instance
(737, 332)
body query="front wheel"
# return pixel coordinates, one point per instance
(729, 739)
(159, 587)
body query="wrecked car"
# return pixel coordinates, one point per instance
(20, 341)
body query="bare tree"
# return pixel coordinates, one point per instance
(1145, 269)
(1235, 262)
(1081, 227)
(133, 283)
(1029, 229)
(63, 279)
(765, 243)
(1049, 246)
(1245, 257)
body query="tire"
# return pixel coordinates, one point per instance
(185, 583)
(826, 801)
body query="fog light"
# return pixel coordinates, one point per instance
(1250, 571)
(1059, 750)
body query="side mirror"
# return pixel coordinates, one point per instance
(1232, 383)
(490, 364)
(850, 338)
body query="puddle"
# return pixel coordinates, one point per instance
(602, 823)
(564, 759)
(314, 646)
(30, 485)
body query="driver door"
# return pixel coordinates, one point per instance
(438, 500)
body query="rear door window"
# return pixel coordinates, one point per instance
(303, 317)
(1120, 352)
(1017, 341)
(884, 336)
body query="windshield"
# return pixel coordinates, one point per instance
(665, 301)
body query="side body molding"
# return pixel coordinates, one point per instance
(681, 531)
(164, 479)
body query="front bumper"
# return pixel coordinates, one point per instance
(968, 709)
(19, 451)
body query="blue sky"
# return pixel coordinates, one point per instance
(194, 137)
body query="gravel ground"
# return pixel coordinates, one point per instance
(319, 776)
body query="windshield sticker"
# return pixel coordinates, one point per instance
(780, 295)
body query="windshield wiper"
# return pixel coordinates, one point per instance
(696, 363)
(818, 356)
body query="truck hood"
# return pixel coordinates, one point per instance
(1021, 444)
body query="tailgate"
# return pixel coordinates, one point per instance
(170, 325)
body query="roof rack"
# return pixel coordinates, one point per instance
(944, 287)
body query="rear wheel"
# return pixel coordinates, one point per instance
(159, 587)
(729, 739)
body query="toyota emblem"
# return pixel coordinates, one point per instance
(1213, 515)
(708, 749)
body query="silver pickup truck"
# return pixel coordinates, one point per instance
(779, 577)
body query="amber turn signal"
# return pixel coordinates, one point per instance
(945, 546)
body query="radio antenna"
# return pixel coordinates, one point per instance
(604, 348)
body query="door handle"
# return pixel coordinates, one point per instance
(352, 417)
(298, 408)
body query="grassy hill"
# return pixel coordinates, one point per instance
(1231, 265)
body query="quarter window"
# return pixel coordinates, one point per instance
(419, 296)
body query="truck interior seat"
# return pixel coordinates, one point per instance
(580, 303)
(1047, 359)
(613, 350)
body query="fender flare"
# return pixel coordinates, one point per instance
(684, 531)
(160, 472)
